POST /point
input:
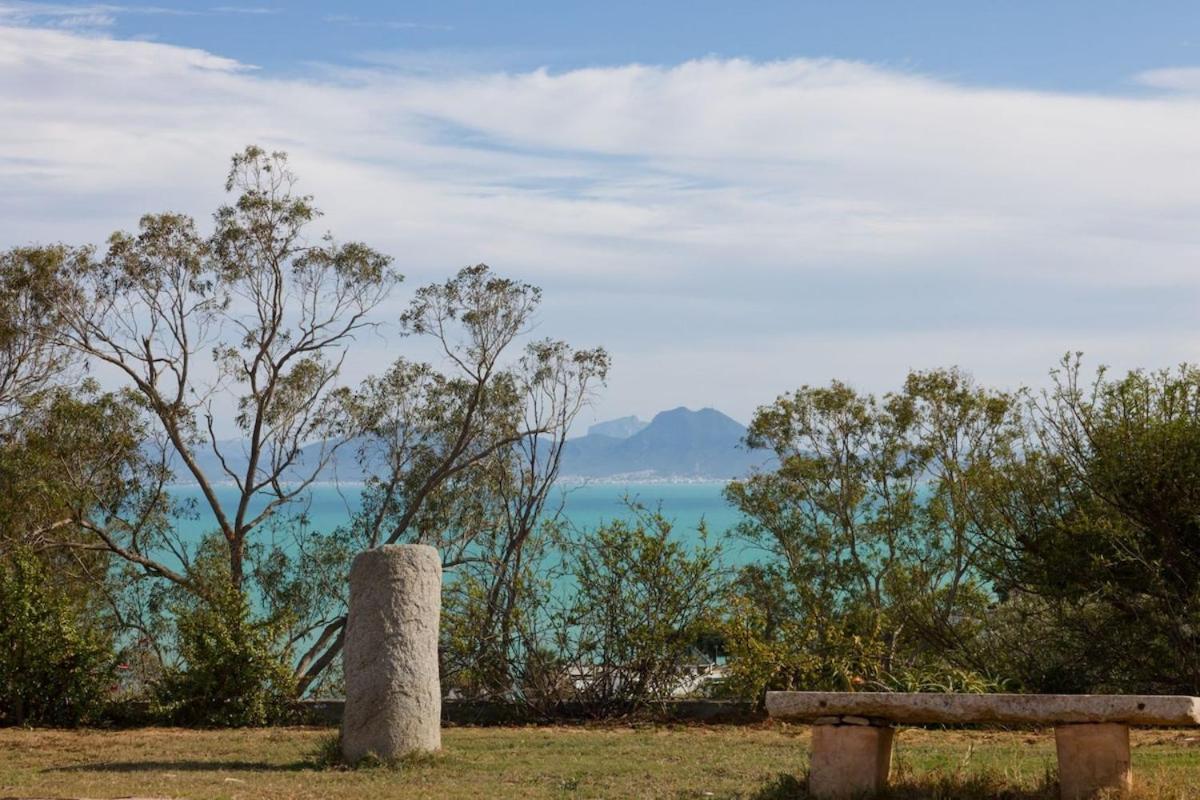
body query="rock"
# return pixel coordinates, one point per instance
(852, 720)
(827, 721)
(393, 692)
(1045, 709)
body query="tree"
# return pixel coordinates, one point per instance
(274, 313)
(30, 293)
(498, 591)
(251, 324)
(873, 518)
(56, 665)
(464, 459)
(1098, 530)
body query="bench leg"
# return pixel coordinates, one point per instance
(849, 761)
(1093, 759)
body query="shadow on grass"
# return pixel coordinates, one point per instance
(184, 765)
(927, 787)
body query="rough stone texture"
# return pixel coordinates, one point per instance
(393, 693)
(1046, 709)
(849, 761)
(1093, 760)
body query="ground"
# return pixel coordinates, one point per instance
(761, 762)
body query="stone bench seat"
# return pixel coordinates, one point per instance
(1004, 709)
(853, 732)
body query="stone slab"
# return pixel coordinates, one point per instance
(1043, 709)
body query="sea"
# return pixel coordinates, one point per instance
(585, 507)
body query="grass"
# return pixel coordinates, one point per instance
(764, 762)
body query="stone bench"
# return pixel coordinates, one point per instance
(852, 732)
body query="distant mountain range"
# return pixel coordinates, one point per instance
(679, 444)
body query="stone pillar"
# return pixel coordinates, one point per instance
(851, 758)
(393, 694)
(1093, 760)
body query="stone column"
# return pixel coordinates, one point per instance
(1093, 760)
(851, 757)
(393, 693)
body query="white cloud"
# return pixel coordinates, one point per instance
(728, 228)
(1179, 79)
(388, 24)
(98, 17)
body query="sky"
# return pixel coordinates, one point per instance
(734, 199)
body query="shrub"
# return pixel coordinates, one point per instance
(56, 663)
(234, 671)
(642, 602)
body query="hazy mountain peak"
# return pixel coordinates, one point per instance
(676, 444)
(621, 428)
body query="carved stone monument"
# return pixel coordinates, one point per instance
(393, 693)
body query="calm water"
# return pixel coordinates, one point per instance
(585, 507)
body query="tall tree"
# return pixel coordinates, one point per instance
(241, 335)
(31, 290)
(464, 456)
(872, 516)
(252, 322)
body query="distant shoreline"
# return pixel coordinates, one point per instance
(566, 480)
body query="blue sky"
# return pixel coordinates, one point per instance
(733, 198)
(1093, 45)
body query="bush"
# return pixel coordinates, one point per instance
(642, 603)
(234, 673)
(56, 663)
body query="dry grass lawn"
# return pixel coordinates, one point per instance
(753, 762)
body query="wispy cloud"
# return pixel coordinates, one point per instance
(246, 10)
(728, 228)
(358, 22)
(97, 16)
(1178, 79)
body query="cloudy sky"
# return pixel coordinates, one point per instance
(733, 201)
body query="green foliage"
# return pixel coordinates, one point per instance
(233, 673)
(948, 537)
(32, 289)
(1100, 533)
(772, 644)
(641, 602)
(56, 665)
(64, 457)
(873, 518)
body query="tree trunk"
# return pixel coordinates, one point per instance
(236, 558)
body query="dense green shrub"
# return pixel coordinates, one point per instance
(56, 660)
(233, 670)
(642, 600)
(1099, 535)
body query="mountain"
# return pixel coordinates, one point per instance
(676, 444)
(679, 444)
(621, 428)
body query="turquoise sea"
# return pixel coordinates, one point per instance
(585, 507)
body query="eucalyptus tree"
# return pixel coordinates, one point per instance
(462, 455)
(250, 324)
(873, 518)
(228, 349)
(495, 608)
(30, 293)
